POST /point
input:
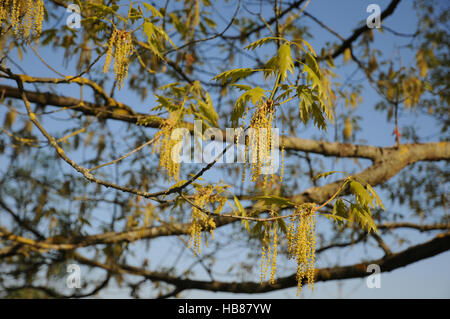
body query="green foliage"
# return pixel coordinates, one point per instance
(241, 212)
(326, 174)
(311, 95)
(362, 196)
(190, 100)
(155, 12)
(285, 61)
(234, 75)
(254, 45)
(207, 110)
(254, 95)
(358, 211)
(274, 200)
(311, 106)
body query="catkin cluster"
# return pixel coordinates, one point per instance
(260, 141)
(120, 46)
(25, 16)
(200, 219)
(412, 90)
(169, 150)
(301, 237)
(269, 252)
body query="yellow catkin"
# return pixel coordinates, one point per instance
(169, 155)
(261, 141)
(199, 219)
(4, 5)
(312, 251)
(166, 158)
(263, 258)
(269, 252)
(110, 51)
(25, 17)
(299, 252)
(282, 164)
(245, 148)
(302, 246)
(274, 254)
(15, 16)
(122, 44)
(290, 238)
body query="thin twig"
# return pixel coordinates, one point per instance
(126, 155)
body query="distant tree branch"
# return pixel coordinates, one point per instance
(435, 246)
(289, 142)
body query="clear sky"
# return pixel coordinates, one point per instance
(425, 279)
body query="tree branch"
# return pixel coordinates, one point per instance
(437, 245)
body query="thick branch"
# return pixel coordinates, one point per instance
(348, 42)
(105, 111)
(438, 245)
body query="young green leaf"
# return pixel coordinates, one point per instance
(255, 95)
(273, 199)
(361, 195)
(234, 75)
(282, 225)
(306, 98)
(362, 215)
(317, 115)
(305, 43)
(260, 42)
(242, 213)
(207, 109)
(239, 206)
(285, 61)
(322, 175)
(312, 77)
(178, 184)
(339, 208)
(375, 196)
(256, 230)
(242, 87)
(155, 12)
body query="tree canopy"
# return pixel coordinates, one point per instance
(224, 146)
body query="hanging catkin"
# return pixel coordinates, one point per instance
(120, 47)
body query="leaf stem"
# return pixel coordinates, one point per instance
(275, 87)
